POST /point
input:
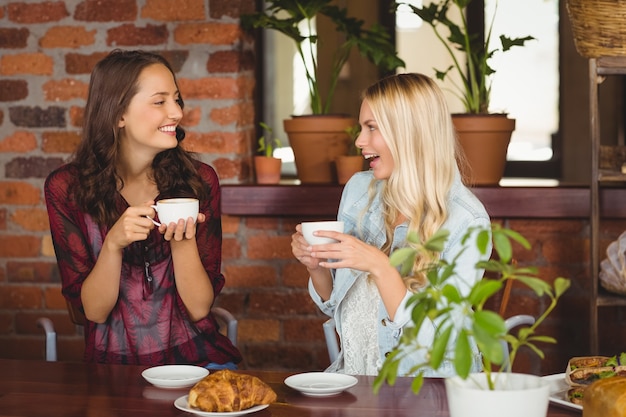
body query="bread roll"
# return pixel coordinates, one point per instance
(605, 398)
(225, 390)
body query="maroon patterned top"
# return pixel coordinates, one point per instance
(149, 324)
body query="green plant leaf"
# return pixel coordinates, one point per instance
(440, 345)
(483, 289)
(416, 384)
(463, 354)
(403, 258)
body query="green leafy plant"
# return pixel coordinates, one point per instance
(476, 74)
(440, 302)
(285, 17)
(267, 143)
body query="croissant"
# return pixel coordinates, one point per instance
(226, 391)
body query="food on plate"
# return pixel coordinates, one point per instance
(584, 370)
(225, 390)
(605, 398)
(575, 394)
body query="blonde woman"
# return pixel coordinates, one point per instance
(413, 185)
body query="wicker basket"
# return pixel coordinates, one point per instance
(598, 26)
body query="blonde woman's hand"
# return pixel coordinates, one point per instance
(301, 250)
(349, 252)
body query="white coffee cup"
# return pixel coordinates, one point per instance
(309, 227)
(171, 210)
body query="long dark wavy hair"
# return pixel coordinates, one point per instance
(112, 86)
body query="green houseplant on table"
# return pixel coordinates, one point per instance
(485, 160)
(266, 166)
(466, 317)
(353, 162)
(374, 44)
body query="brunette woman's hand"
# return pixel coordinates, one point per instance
(132, 226)
(181, 230)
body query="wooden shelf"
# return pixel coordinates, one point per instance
(607, 299)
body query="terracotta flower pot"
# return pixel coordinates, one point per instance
(317, 140)
(484, 140)
(267, 169)
(347, 166)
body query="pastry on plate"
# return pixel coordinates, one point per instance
(227, 391)
(605, 398)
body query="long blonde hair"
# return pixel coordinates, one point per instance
(414, 120)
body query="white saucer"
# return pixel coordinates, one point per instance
(174, 376)
(320, 384)
(182, 403)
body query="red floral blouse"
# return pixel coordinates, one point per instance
(149, 324)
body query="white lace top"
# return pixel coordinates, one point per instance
(359, 312)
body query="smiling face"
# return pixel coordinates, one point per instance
(373, 146)
(149, 123)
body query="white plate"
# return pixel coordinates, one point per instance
(174, 376)
(183, 404)
(320, 384)
(558, 391)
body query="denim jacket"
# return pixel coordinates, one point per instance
(464, 211)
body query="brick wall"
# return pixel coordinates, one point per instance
(47, 51)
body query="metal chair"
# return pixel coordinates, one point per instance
(223, 316)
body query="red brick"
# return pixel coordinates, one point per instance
(67, 37)
(207, 33)
(227, 168)
(62, 142)
(20, 141)
(259, 330)
(34, 219)
(230, 249)
(66, 89)
(76, 116)
(3, 220)
(295, 275)
(531, 226)
(53, 298)
(19, 193)
(27, 63)
(6, 323)
(262, 223)
(13, 38)
(230, 224)
(230, 61)
(47, 11)
(82, 64)
(26, 323)
(269, 247)
(232, 8)
(304, 330)
(13, 90)
(20, 297)
(240, 114)
(565, 249)
(283, 304)
(170, 11)
(191, 117)
(211, 88)
(19, 246)
(213, 142)
(250, 276)
(106, 11)
(131, 35)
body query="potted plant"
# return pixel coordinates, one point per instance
(484, 161)
(267, 167)
(353, 162)
(463, 321)
(317, 142)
